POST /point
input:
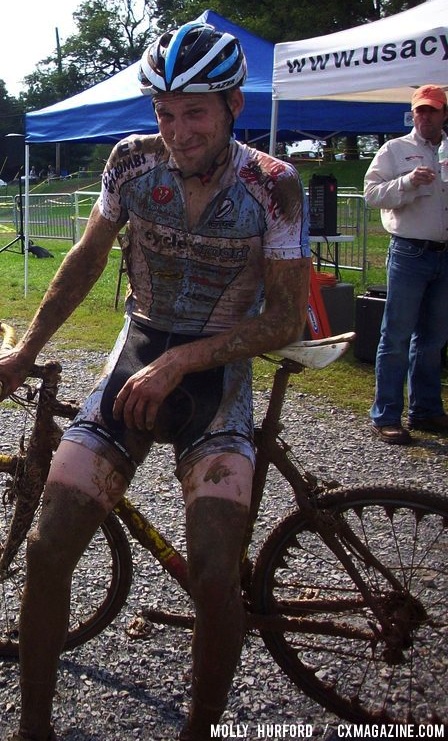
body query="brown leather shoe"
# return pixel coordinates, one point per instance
(392, 434)
(430, 424)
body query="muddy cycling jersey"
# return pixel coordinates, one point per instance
(208, 278)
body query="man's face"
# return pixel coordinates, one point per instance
(195, 126)
(429, 122)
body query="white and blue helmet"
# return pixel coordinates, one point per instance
(195, 58)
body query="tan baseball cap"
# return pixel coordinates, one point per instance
(431, 95)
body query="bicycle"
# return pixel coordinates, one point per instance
(348, 592)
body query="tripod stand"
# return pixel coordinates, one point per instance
(20, 234)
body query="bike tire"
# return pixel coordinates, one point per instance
(106, 567)
(296, 575)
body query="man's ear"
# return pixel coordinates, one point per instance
(235, 101)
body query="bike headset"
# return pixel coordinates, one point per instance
(195, 58)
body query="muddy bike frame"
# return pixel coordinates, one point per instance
(45, 437)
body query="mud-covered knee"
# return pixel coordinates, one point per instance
(46, 556)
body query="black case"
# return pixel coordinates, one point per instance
(368, 317)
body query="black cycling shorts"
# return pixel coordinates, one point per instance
(209, 412)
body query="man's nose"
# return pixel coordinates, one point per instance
(179, 131)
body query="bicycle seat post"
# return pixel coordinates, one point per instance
(279, 386)
(270, 427)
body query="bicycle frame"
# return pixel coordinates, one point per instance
(270, 450)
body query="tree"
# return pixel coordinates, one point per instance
(11, 122)
(288, 20)
(11, 113)
(111, 35)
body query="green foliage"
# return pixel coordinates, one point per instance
(11, 113)
(47, 84)
(287, 20)
(111, 35)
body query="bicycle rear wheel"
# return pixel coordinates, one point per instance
(338, 655)
(101, 583)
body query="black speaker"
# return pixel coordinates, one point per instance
(368, 317)
(323, 202)
(13, 149)
(339, 305)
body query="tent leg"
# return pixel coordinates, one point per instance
(274, 120)
(27, 217)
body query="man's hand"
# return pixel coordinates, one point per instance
(140, 398)
(13, 372)
(422, 176)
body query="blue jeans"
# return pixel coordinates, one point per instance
(413, 332)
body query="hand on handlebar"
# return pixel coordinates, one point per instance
(13, 372)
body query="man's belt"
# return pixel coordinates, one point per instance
(428, 244)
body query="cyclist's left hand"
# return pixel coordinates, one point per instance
(141, 396)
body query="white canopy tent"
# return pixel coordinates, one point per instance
(379, 62)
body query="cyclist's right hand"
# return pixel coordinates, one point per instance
(13, 366)
(13, 372)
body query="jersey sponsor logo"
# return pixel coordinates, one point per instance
(185, 245)
(225, 208)
(162, 194)
(120, 169)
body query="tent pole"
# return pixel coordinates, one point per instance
(27, 215)
(274, 118)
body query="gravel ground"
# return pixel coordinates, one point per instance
(114, 688)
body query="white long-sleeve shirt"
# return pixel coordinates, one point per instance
(406, 211)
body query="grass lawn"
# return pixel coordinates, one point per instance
(95, 324)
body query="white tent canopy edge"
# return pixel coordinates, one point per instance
(381, 61)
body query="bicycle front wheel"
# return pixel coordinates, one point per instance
(331, 644)
(101, 583)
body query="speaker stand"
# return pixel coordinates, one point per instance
(20, 236)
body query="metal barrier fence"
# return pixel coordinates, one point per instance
(51, 216)
(64, 215)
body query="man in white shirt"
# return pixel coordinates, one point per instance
(404, 181)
